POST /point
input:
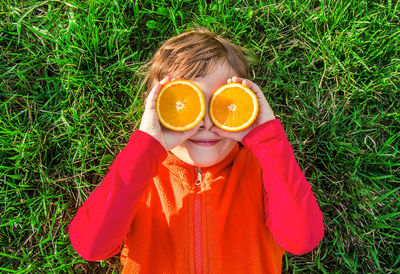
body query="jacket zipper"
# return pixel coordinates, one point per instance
(197, 224)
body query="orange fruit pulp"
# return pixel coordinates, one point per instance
(233, 107)
(180, 105)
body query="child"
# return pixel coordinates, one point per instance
(197, 201)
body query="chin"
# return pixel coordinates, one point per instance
(199, 161)
(203, 157)
(205, 162)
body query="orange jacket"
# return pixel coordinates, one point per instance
(235, 217)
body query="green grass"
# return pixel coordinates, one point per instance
(70, 97)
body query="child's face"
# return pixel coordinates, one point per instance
(206, 148)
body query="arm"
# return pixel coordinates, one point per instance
(292, 213)
(100, 225)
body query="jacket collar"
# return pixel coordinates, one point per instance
(187, 173)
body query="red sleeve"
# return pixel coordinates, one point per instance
(100, 225)
(292, 213)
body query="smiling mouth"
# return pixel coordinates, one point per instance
(206, 143)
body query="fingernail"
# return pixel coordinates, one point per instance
(164, 80)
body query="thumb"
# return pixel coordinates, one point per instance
(152, 97)
(189, 133)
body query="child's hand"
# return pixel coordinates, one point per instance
(265, 112)
(151, 125)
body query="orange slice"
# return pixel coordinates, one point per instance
(180, 105)
(233, 107)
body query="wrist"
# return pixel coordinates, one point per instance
(269, 128)
(152, 140)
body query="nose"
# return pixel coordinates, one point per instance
(207, 122)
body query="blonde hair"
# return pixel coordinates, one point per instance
(194, 54)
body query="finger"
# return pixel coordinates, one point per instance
(151, 99)
(251, 85)
(237, 79)
(175, 138)
(165, 80)
(245, 82)
(265, 111)
(218, 131)
(189, 133)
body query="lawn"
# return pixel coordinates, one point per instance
(71, 95)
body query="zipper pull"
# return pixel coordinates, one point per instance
(199, 178)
